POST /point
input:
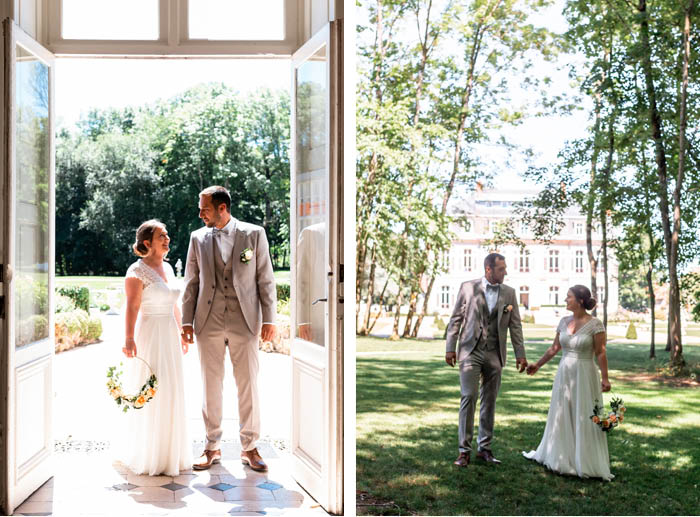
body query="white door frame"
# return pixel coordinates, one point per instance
(31, 363)
(321, 367)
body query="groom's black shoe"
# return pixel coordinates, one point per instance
(487, 457)
(462, 460)
(207, 459)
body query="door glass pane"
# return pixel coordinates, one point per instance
(312, 198)
(111, 19)
(32, 190)
(236, 19)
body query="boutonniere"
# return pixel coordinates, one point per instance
(246, 255)
(507, 309)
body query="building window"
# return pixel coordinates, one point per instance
(445, 297)
(579, 228)
(601, 295)
(525, 296)
(446, 260)
(524, 261)
(579, 261)
(524, 228)
(553, 265)
(110, 19)
(554, 295)
(487, 226)
(467, 259)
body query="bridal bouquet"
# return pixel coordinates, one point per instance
(137, 401)
(614, 418)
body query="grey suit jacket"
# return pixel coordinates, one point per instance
(470, 316)
(253, 281)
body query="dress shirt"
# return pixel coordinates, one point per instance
(491, 291)
(225, 239)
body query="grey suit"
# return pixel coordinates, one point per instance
(481, 354)
(227, 302)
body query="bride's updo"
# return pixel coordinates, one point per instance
(145, 233)
(583, 296)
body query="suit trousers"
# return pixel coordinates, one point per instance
(227, 328)
(485, 365)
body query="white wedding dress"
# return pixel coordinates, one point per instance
(154, 439)
(572, 443)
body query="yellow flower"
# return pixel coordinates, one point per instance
(613, 417)
(139, 402)
(151, 392)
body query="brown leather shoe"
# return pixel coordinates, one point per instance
(253, 460)
(463, 459)
(487, 456)
(207, 459)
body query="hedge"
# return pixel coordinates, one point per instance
(79, 295)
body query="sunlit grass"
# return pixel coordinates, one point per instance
(407, 408)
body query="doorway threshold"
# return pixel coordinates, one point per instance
(88, 482)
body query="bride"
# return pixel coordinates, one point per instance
(154, 438)
(572, 443)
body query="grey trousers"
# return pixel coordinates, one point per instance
(485, 365)
(228, 329)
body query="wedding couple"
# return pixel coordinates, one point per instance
(484, 312)
(229, 299)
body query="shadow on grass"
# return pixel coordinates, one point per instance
(407, 440)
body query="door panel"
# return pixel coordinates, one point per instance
(28, 266)
(317, 341)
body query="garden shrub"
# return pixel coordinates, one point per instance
(528, 318)
(79, 295)
(439, 323)
(64, 304)
(73, 328)
(94, 329)
(631, 331)
(283, 292)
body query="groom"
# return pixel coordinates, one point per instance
(484, 312)
(229, 298)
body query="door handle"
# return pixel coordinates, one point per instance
(319, 300)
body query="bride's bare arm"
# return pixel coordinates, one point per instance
(178, 318)
(133, 288)
(599, 341)
(549, 353)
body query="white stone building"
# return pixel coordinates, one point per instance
(540, 275)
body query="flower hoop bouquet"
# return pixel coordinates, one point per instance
(614, 418)
(114, 386)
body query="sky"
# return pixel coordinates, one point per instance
(82, 84)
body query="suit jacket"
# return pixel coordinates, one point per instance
(470, 319)
(253, 281)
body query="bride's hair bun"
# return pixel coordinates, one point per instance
(583, 296)
(145, 233)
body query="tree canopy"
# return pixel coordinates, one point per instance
(120, 167)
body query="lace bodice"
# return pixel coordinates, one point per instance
(580, 344)
(158, 297)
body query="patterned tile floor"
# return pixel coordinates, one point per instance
(91, 484)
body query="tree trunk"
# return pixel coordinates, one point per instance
(399, 300)
(466, 96)
(424, 310)
(411, 311)
(670, 236)
(652, 304)
(370, 291)
(381, 303)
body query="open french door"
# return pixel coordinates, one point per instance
(27, 272)
(316, 244)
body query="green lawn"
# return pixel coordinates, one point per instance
(407, 407)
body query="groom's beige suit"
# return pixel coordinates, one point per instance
(227, 299)
(477, 332)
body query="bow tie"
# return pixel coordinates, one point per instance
(490, 287)
(217, 231)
